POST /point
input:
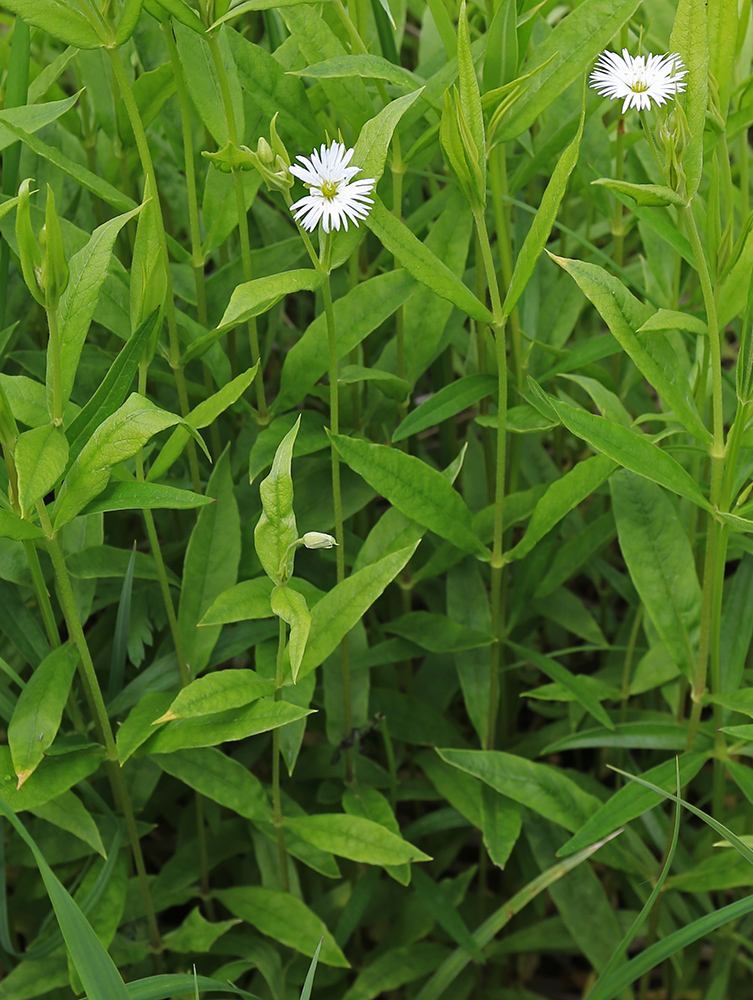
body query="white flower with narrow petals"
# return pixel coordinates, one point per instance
(637, 80)
(334, 197)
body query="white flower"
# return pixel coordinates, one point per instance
(638, 79)
(334, 197)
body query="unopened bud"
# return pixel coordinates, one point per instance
(28, 247)
(55, 272)
(318, 540)
(265, 152)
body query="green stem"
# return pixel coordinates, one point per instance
(197, 257)
(334, 419)
(56, 363)
(650, 137)
(282, 853)
(744, 175)
(16, 90)
(501, 208)
(715, 553)
(134, 116)
(120, 791)
(497, 565)
(240, 205)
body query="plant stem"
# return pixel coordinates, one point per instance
(650, 137)
(120, 791)
(744, 176)
(282, 853)
(197, 257)
(56, 364)
(334, 419)
(147, 166)
(497, 566)
(16, 90)
(240, 204)
(710, 602)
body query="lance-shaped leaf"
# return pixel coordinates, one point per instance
(117, 438)
(276, 532)
(217, 692)
(338, 611)
(201, 416)
(243, 602)
(291, 606)
(62, 20)
(11, 526)
(541, 226)
(422, 264)
(41, 456)
(690, 40)
(88, 270)
(356, 838)
(631, 449)
(652, 355)
(39, 709)
(416, 489)
(660, 559)
(644, 194)
(470, 98)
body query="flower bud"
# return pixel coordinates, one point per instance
(265, 152)
(461, 152)
(318, 540)
(28, 247)
(55, 274)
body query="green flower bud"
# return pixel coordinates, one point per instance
(55, 272)
(318, 540)
(461, 151)
(28, 247)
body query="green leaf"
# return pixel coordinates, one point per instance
(545, 789)
(659, 557)
(422, 264)
(339, 610)
(88, 270)
(284, 918)
(214, 774)
(632, 800)
(654, 735)
(631, 449)
(201, 416)
(243, 602)
(490, 928)
(210, 565)
(196, 934)
(61, 20)
(416, 489)
(291, 606)
(235, 724)
(437, 633)
(541, 227)
(97, 562)
(501, 57)
(643, 194)
(113, 388)
(723, 27)
(502, 823)
(470, 97)
(146, 496)
(41, 457)
(217, 692)
(29, 118)
(563, 57)
(11, 526)
(357, 314)
(355, 838)
(137, 727)
(571, 682)
(119, 437)
(68, 813)
(623, 314)
(258, 296)
(362, 65)
(447, 915)
(445, 403)
(39, 709)
(690, 40)
(55, 775)
(276, 533)
(203, 83)
(99, 976)
(561, 497)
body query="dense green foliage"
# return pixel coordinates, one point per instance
(380, 597)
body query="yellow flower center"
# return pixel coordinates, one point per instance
(329, 190)
(639, 86)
